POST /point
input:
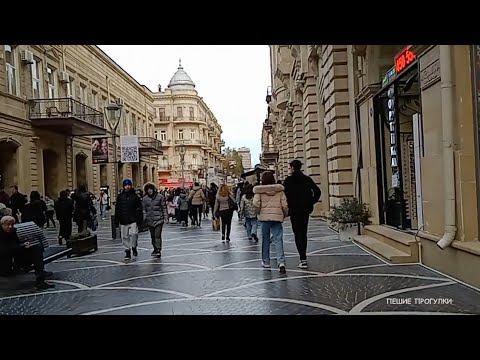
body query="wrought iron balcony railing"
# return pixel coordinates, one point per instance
(65, 108)
(150, 145)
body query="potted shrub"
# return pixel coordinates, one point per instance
(348, 217)
(82, 243)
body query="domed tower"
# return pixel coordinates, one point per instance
(181, 80)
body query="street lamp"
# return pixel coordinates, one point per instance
(205, 162)
(181, 151)
(113, 114)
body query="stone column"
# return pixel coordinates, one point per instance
(298, 130)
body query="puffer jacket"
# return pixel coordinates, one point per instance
(270, 202)
(247, 207)
(154, 208)
(128, 208)
(197, 196)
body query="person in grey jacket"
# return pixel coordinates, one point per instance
(224, 210)
(154, 215)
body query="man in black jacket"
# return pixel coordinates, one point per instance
(17, 201)
(129, 214)
(302, 194)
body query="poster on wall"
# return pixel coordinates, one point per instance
(100, 150)
(129, 149)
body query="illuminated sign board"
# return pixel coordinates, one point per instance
(403, 59)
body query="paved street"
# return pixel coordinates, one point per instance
(198, 274)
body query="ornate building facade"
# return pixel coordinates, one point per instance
(184, 121)
(52, 102)
(395, 126)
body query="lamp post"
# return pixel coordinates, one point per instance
(205, 162)
(113, 114)
(181, 152)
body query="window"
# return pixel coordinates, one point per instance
(11, 70)
(192, 134)
(134, 125)
(194, 160)
(94, 100)
(101, 104)
(180, 134)
(51, 82)
(144, 128)
(161, 113)
(125, 125)
(36, 92)
(191, 113)
(179, 111)
(163, 135)
(156, 135)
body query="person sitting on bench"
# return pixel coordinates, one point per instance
(11, 251)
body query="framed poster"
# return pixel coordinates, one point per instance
(129, 149)
(100, 150)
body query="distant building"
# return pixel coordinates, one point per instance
(246, 157)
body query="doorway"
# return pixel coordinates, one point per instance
(8, 163)
(135, 174)
(399, 144)
(103, 175)
(81, 169)
(145, 174)
(51, 171)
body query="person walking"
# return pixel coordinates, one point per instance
(35, 210)
(197, 198)
(271, 206)
(154, 216)
(248, 212)
(224, 207)
(17, 202)
(302, 194)
(212, 195)
(129, 215)
(102, 204)
(64, 211)
(84, 208)
(183, 208)
(50, 210)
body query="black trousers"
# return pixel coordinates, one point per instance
(226, 217)
(197, 211)
(32, 256)
(65, 228)
(49, 214)
(300, 228)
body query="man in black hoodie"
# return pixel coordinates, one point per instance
(302, 194)
(129, 214)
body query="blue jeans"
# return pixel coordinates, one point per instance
(251, 226)
(276, 229)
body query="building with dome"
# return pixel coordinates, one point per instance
(186, 127)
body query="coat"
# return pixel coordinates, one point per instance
(128, 208)
(302, 193)
(221, 203)
(270, 202)
(197, 196)
(154, 209)
(247, 207)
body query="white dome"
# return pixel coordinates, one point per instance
(181, 80)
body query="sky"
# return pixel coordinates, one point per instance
(232, 79)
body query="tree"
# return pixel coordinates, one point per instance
(233, 162)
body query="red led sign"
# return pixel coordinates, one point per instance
(402, 60)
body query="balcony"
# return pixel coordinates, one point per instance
(67, 116)
(188, 120)
(149, 146)
(164, 118)
(190, 142)
(165, 168)
(282, 96)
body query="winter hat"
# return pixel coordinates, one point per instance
(127, 182)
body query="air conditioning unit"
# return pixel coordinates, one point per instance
(27, 57)
(120, 102)
(64, 77)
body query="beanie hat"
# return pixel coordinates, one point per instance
(127, 182)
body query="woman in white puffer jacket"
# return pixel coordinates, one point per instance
(271, 205)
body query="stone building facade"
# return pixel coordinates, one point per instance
(52, 101)
(395, 126)
(182, 118)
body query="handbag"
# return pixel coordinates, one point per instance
(232, 205)
(216, 225)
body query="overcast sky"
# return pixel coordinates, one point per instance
(232, 79)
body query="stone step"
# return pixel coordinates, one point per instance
(397, 239)
(386, 251)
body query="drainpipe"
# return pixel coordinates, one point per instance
(448, 151)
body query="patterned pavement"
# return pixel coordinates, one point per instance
(198, 274)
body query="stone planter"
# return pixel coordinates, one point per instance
(83, 245)
(348, 231)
